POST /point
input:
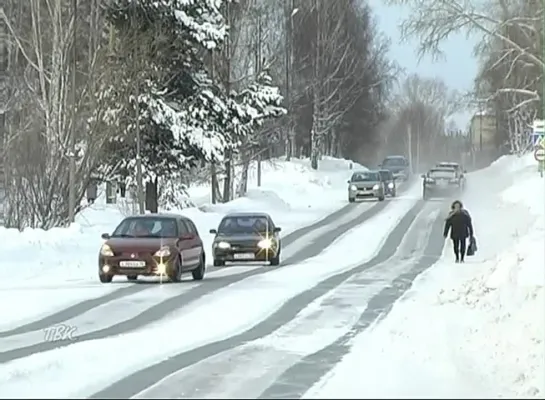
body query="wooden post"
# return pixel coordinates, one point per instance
(213, 182)
(72, 145)
(410, 140)
(259, 170)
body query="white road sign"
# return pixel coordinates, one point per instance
(539, 154)
(538, 127)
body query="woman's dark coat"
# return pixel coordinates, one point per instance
(459, 224)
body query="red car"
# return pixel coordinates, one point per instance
(152, 245)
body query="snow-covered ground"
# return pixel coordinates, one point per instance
(36, 263)
(473, 330)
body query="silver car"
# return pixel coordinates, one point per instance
(365, 184)
(460, 172)
(441, 182)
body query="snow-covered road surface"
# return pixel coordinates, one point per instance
(300, 245)
(258, 368)
(473, 330)
(137, 313)
(81, 296)
(57, 267)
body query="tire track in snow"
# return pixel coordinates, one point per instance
(101, 317)
(350, 215)
(296, 381)
(249, 369)
(210, 284)
(146, 377)
(130, 288)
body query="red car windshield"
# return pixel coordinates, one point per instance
(147, 228)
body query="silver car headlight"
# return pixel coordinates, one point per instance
(391, 185)
(223, 245)
(265, 244)
(353, 187)
(376, 187)
(163, 252)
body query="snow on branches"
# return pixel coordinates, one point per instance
(180, 116)
(200, 21)
(262, 100)
(259, 102)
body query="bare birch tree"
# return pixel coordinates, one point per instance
(36, 147)
(333, 57)
(424, 104)
(432, 21)
(509, 83)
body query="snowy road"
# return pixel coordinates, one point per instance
(284, 362)
(297, 246)
(337, 302)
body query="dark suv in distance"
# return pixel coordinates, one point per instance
(399, 165)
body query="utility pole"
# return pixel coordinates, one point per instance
(72, 145)
(258, 67)
(4, 65)
(139, 181)
(481, 112)
(410, 140)
(316, 130)
(213, 173)
(288, 15)
(418, 133)
(228, 181)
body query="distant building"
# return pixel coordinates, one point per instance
(483, 130)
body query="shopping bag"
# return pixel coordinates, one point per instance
(472, 249)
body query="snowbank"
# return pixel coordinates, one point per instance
(293, 193)
(470, 330)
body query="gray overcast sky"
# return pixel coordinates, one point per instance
(458, 69)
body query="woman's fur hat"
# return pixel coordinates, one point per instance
(454, 204)
(452, 212)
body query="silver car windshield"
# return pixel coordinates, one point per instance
(231, 225)
(366, 177)
(442, 174)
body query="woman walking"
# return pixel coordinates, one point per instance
(460, 226)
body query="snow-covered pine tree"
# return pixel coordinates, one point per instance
(158, 49)
(262, 101)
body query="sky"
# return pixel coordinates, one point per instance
(457, 70)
